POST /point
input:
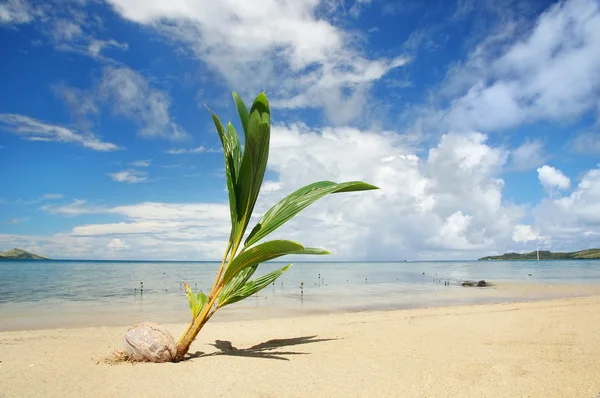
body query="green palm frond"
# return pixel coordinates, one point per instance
(247, 289)
(295, 202)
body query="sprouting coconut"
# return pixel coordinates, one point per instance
(244, 171)
(149, 342)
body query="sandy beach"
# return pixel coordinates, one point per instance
(534, 349)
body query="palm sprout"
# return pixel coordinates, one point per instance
(245, 171)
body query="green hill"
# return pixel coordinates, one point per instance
(547, 255)
(18, 254)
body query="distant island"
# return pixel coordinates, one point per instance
(18, 254)
(547, 255)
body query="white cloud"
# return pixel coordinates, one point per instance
(285, 48)
(446, 203)
(116, 244)
(182, 151)
(130, 95)
(357, 7)
(76, 208)
(141, 163)
(587, 143)
(95, 46)
(66, 30)
(528, 155)
(35, 130)
(79, 103)
(524, 233)
(440, 204)
(91, 47)
(193, 231)
(17, 12)
(129, 176)
(433, 207)
(573, 221)
(553, 178)
(52, 196)
(548, 74)
(45, 197)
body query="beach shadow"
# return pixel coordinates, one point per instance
(266, 350)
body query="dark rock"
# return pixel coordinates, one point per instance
(467, 284)
(481, 283)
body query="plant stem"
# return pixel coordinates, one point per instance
(222, 268)
(184, 343)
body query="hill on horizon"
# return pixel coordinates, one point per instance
(19, 254)
(548, 255)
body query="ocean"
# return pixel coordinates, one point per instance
(50, 294)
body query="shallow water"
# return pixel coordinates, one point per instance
(38, 294)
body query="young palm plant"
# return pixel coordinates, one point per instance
(245, 171)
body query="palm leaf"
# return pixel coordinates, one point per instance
(196, 301)
(237, 282)
(296, 202)
(242, 111)
(231, 166)
(252, 287)
(264, 252)
(254, 161)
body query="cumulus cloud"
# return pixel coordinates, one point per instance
(573, 221)
(429, 207)
(283, 47)
(444, 203)
(35, 130)
(553, 178)
(524, 233)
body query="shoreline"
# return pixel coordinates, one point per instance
(492, 350)
(79, 314)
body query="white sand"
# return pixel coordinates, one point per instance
(538, 349)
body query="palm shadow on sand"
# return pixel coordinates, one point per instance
(265, 350)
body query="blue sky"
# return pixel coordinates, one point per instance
(479, 120)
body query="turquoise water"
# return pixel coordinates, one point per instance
(37, 294)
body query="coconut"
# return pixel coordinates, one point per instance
(149, 342)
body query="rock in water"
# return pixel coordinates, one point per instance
(149, 342)
(481, 283)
